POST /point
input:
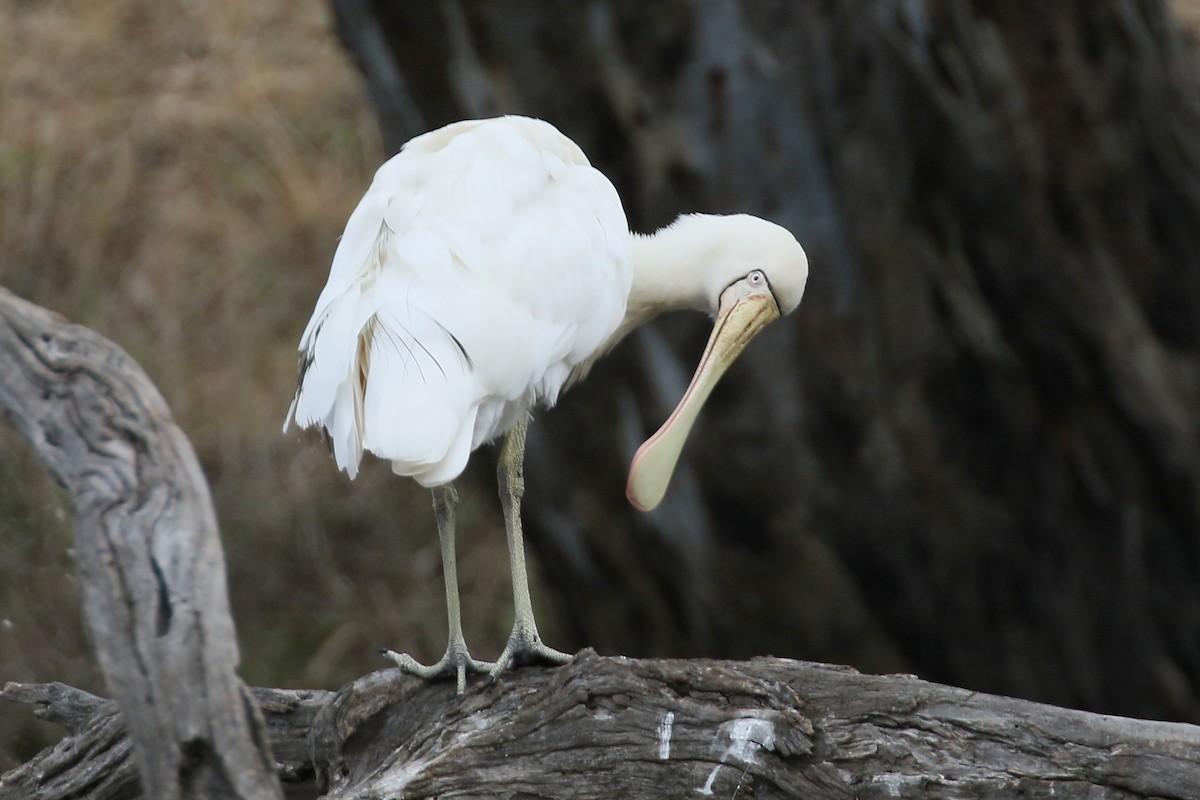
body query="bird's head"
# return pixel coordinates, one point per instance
(755, 272)
(747, 257)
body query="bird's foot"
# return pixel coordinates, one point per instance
(525, 646)
(457, 662)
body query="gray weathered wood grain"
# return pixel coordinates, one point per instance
(614, 727)
(146, 542)
(96, 761)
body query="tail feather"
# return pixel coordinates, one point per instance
(331, 379)
(395, 386)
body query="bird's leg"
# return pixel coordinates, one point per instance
(524, 644)
(457, 661)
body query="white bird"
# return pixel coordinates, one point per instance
(484, 271)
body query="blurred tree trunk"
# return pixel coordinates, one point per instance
(152, 570)
(973, 452)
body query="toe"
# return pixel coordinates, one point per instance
(526, 647)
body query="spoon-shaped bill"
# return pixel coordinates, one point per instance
(738, 321)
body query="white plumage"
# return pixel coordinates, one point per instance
(479, 271)
(486, 268)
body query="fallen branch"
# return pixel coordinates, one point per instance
(616, 727)
(95, 761)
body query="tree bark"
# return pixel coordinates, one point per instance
(146, 542)
(974, 452)
(615, 727)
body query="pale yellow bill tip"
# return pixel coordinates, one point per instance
(655, 461)
(652, 468)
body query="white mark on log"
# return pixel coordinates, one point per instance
(891, 783)
(396, 779)
(476, 723)
(712, 776)
(895, 783)
(746, 737)
(664, 735)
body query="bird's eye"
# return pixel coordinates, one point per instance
(757, 277)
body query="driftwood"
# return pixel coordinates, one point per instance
(615, 727)
(146, 541)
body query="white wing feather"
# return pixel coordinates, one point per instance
(487, 262)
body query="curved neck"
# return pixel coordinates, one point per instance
(667, 276)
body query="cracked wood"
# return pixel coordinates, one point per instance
(146, 542)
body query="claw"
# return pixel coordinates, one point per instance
(525, 646)
(455, 663)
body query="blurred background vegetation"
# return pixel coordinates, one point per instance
(175, 176)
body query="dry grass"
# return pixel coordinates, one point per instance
(175, 176)
(1188, 12)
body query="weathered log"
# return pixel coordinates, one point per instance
(96, 760)
(616, 727)
(146, 542)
